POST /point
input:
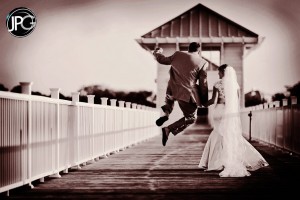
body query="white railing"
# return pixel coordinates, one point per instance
(274, 124)
(42, 136)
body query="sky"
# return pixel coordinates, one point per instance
(80, 43)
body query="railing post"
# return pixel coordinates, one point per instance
(134, 105)
(261, 107)
(270, 105)
(55, 95)
(293, 100)
(75, 99)
(276, 104)
(104, 102)
(26, 89)
(113, 102)
(284, 102)
(122, 105)
(128, 104)
(138, 119)
(250, 120)
(91, 99)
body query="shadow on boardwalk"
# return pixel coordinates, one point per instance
(151, 171)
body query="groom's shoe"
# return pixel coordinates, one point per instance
(165, 135)
(161, 120)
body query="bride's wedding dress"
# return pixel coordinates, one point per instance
(226, 149)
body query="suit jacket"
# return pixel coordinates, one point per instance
(186, 69)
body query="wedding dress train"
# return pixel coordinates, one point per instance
(226, 149)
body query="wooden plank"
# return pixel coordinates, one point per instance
(181, 26)
(209, 25)
(195, 24)
(214, 26)
(171, 29)
(205, 24)
(191, 24)
(222, 52)
(185, 25)
(200, 24)
(219, 28)
(176, 27)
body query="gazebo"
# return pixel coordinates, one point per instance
(222, 41)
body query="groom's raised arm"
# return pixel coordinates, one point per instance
(161, 58)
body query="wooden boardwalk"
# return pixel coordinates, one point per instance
(151, 171)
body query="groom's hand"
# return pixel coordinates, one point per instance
(158, 50)
(204, 105)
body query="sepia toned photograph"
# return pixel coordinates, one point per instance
(149, 99)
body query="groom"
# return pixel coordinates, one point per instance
(186, 69)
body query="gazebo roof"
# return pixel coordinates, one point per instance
(200, 24)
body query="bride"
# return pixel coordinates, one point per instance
(226, 149)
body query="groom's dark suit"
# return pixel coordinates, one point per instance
(186, 69)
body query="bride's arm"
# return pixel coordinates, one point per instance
(213, 98)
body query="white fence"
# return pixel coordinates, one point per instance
(275, 125)
(42, 136)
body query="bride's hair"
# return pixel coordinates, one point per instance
(223, 67)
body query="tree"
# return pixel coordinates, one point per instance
(139, 97)
(295, 91)
(3, 88)
(278, 97)
(253, 98)
(18, 89)
(61, 96)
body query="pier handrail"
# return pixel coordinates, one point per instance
(274, 123)
(42, 136)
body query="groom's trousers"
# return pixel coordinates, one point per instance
(169, 102)
(188, 110)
